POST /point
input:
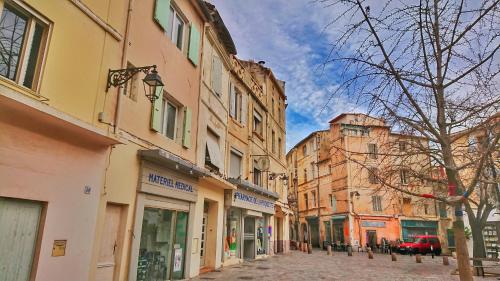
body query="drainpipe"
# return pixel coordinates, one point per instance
(349, 187)
(123, 64)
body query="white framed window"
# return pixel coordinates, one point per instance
(176, 27)
(23, 38)
(169, 120)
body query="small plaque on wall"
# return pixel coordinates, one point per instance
(59, 248)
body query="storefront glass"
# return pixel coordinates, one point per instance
(160, 258)
(232, 234)
(261, 236)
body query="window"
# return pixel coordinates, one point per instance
(175, 30)
(280, 150)
(257, 174)
(442, 210)
(306, 201)
(279, 112)
(22, 39)
(304, 150)
(333, 203)
(313, 170)
(305, 175)
(217, 75)
(235, 106)
(329, 168)
(212, 151)
(130, 88)
(372, 150)
(257, 123)
(169, 119)
(365, 132)
(272, 105)
(273, 142)
(402, 146)
(235, 160)
(313, 199)
(377, 203)
(404, 176)
(426, 209)
(373, 175)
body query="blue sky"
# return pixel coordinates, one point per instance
(290, 36)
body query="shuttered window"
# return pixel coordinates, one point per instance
(194, 45)
(157, 112)
(186, 136)
(162, 11)
(235, 160)
(217, 75)
(212, 153)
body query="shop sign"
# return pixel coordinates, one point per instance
(411, 223)
(161, 181)
(247, 200)
(373, 223)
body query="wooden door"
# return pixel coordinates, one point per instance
(110, 244)
(19, 221)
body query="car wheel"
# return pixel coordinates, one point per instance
(437, 252)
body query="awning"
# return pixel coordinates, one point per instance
(338, 218)
(253, 187)
(214, 152)
(173, 162)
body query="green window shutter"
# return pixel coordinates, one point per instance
(156, 110)
(162, 9)
(186, 136)
(194, 45)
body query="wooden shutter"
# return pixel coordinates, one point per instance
(186, 136)
(19, 220)
(156, 112)
(162, 9)
(216, 75)
(244, 109)
(194, 45)
(232, 101)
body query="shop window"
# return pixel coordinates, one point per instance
(23, 37)
(232, 242)
(372, 150)
(257, 123)
(377, 203)
(235, 164)
(257, 174)
(213, 158)
(175, 30)
(170, 111)
(262, 236)
(162, 245)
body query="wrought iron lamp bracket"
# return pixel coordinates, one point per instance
(121, 76)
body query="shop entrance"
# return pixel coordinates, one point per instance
(163, 245)
(313, 225)
(371, 238)
(249, 238)
(279, 235)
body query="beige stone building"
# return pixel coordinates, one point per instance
(338, 175)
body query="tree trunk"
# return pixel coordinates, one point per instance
(463, 263)
(478, 243)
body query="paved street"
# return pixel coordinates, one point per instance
(318, 266)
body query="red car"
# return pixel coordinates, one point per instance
(423, 244)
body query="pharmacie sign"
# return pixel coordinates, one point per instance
(251, 201)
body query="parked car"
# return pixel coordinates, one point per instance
(423, 244)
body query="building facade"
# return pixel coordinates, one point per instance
(115, 182)
(338, 175)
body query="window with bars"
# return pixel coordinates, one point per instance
(377, 203)
(372, 150)
(373, 175)
(404, 177)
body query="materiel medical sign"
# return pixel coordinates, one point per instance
(170, 183)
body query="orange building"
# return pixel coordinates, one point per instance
(338, 174)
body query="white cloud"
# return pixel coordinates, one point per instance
(284, 33)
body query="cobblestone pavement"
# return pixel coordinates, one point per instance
(318, 266)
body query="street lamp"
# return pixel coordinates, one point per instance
(152, 79)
